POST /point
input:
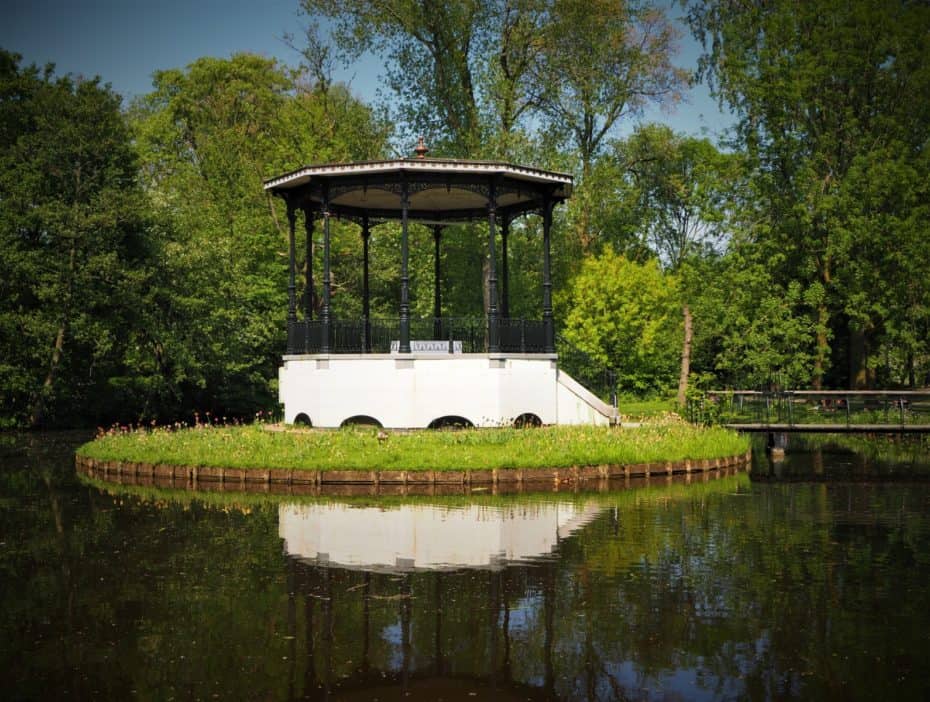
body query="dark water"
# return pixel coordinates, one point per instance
(725, 589)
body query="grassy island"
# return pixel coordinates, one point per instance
(264, 447)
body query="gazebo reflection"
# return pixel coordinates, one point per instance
(411, 536)
(422, 600)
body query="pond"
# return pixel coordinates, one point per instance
(725, 588)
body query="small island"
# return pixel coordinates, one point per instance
(286, 454)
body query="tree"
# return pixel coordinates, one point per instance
(750, 330)
(433, 53)
(72, 243)
(684, 189)
(600, 62)
(625, 315)
(208, 135)
(827, 92)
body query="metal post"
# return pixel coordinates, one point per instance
(505, 280)
(291, 280)
(547, 277)
(437, 299)
(325, 320)
(404, 275)
(308, 291)
(493, 322)
(366, 302)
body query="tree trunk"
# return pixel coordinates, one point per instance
(37, 414)
(823, 348)
(858, 359)
(685, 357)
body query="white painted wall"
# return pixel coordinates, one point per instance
(412, 390)
(427, 536)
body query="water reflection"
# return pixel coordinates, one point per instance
(424, 536)
(726, 589)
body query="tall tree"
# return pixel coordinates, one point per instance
(71, 241)
(208, 135)
(825, 92)
(679, 192)
(684, 188)
(600, 62)
(431, 51)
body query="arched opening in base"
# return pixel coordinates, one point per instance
(451, 422)
(361, 420)
(527, 420)
(302, 420)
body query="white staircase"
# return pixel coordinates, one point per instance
(578, 405)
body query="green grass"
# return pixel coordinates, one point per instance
(359, 449)
(637, 410)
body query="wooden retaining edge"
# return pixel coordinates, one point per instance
(193, 475)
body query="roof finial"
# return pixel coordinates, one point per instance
(421, 149)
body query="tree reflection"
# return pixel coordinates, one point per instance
(724, 589)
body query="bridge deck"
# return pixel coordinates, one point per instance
(833, 428)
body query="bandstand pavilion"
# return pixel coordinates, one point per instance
(404, 372)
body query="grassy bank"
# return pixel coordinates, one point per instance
(360, 449)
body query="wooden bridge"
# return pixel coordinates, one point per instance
(815, 411)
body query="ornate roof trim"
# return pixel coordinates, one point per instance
(417, 165)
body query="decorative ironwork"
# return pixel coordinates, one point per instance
(404, 275)
(325, 317)
(467, 334)
(292, 266)
(493, 321)
(314, 189)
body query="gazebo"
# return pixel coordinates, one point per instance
(405, 372)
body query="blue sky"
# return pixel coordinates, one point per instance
(124, 42)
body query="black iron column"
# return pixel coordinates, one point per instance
(366, 302)
(493, 322)
(404, 276)
(406, 647)
(548, 327)
(292, 280)
(308, 292)
(437, 300)
(505, 298)
(325, 320)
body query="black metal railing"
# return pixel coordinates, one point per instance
(522, 335)
(594, 375)
(464, 334)
(811, 408)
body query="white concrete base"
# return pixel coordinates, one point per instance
(413, 390)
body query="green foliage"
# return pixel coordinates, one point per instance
(208, 135)
(627, 316)
(833, 100)
(749, 329)
(683, 190)
(72, 245)
(472, 449)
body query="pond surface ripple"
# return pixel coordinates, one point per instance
(724, 589)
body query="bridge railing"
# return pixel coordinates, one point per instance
(811, 408)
